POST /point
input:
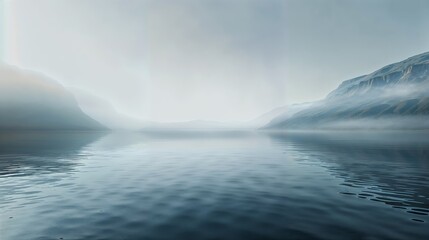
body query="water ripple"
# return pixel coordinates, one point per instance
(213, 186)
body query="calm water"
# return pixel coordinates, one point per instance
(214, 185)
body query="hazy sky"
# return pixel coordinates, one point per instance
(178, 60)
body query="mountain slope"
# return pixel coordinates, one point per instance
(395, 96)
(279, 114)
(31, 102)
(103, 111)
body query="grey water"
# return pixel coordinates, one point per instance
(214, 185)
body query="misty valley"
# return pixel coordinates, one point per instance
(351, 166)
(214, 120)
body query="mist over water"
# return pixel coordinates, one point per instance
(214, 185)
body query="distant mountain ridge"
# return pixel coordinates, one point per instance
(396, 92)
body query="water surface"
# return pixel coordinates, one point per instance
(214, 185)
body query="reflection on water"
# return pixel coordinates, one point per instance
(391, 168)
(214, 185)
(23, 153)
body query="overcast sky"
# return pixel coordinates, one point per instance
(226, 60)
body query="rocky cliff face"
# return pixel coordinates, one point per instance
(399, 90)
(414, 70)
